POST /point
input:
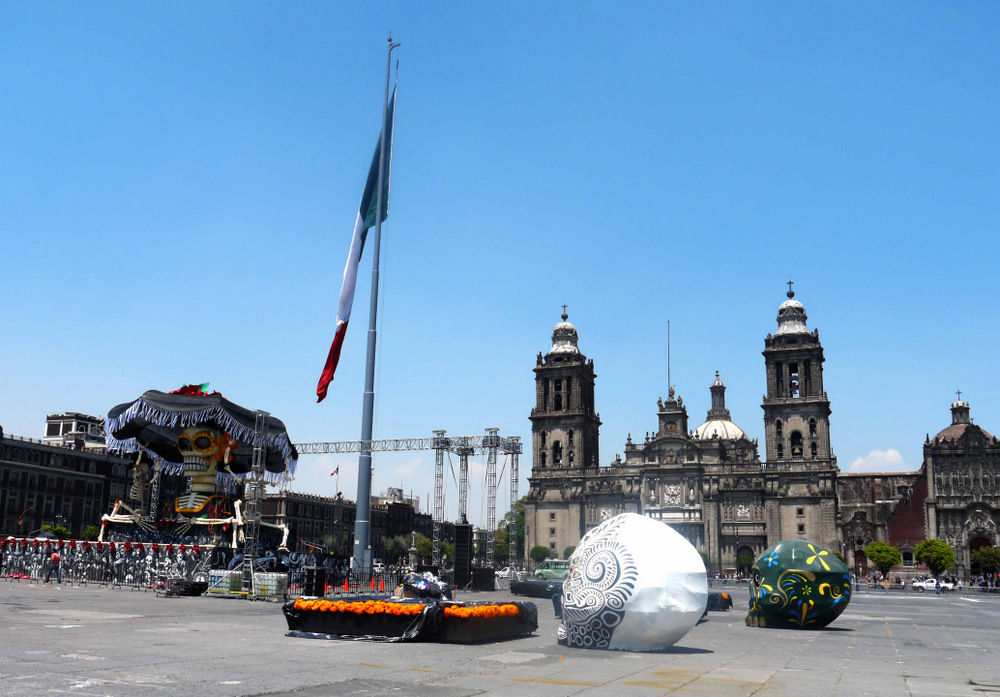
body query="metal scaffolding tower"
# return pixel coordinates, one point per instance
(515, 451)
(492, 444)
(440, 443)
(489, 444)
(254, 496)
(463, 483)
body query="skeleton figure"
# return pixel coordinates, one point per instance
(140, 481)
(203, 448)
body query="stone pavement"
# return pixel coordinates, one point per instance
(89, 641)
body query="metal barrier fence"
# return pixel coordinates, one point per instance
(128, 565)
(144, 566)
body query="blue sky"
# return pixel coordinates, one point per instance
(179, 184)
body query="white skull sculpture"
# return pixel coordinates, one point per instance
(634, 584)
(202, 448)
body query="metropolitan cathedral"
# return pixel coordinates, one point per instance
(711, 484)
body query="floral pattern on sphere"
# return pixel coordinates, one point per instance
(797, 584)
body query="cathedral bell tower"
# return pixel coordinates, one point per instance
(801, 468)
(564, 444)
(564, 423)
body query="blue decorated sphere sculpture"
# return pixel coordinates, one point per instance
(634, 584)
(797, 584)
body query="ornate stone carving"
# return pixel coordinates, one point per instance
(672, 494)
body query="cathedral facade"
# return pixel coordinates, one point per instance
(709, 483)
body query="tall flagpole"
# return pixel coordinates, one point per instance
(362, 560)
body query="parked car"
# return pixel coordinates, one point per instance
(929, 585)
(552, 569)
(378, 567)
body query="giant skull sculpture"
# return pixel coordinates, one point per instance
(634, 584)
(203, 448)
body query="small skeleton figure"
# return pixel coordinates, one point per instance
(140, 482)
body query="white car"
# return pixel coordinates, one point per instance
(929, 585)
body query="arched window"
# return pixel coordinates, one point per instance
(571, 457)
(557, 403)
(541, 458)
(777, 428)
(556, 452)
(793, 379)
(812, 428)
(781, 451)
(796, 443)
(570, 437)
(812, 448)
(542, 436)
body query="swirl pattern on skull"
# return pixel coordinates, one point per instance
(601, 579)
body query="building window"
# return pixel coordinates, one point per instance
(552, 532)
(812, 449)
(556, 452)
(552, 546)
(793, 379)
(552, 516)
(557, 404)
(570, 437)
(781, 451)
(812, 428)
(802, 528)
(800, 512)
(777, 428)
(542, 458)
(907, 558)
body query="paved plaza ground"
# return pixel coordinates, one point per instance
(92, 641)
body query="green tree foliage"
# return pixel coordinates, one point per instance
(539, 553)
(744, 562)
(704, 558)
(518, 517)
(425, 547)
(936, 554)
(839, 556)
(988, 559)
(568, 552)
(91, 532)
(397, 549)
(883, 557)
(60, 531)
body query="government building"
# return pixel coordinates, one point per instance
(713, 485)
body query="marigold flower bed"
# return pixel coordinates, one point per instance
(428, 620)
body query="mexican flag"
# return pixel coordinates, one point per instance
(364, 221)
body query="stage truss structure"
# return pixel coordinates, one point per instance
(490, 444)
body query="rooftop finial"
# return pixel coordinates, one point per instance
(790, 293)
(716, 374)
(958, 392)
(564, 315)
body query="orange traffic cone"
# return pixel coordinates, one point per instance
(347, 587)
(373, 583)
(381, 585)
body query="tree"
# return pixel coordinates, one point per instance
(883, 557)
(60, 531)
(568, 552)
(396, 549)
(936, 554)
(840, 557)
(91, 532)
(744, 562)
(988, 559)
(539, 553)
(425, 547)
(517, 516)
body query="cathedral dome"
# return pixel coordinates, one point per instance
(564, 337)
(718, 423)
(719, 428)
(960, 422)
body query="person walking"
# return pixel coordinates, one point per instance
(53, 566)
